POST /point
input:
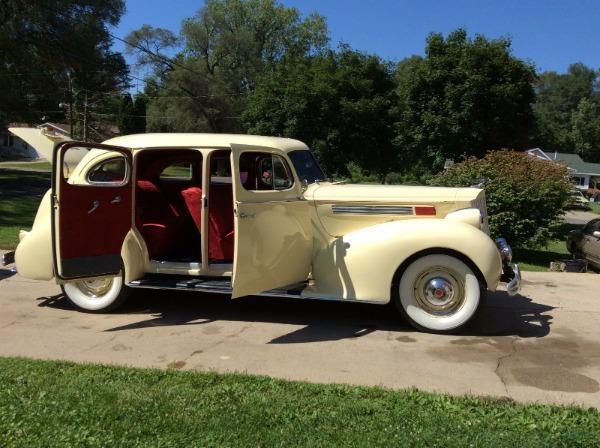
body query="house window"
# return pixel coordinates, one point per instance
(8, 140)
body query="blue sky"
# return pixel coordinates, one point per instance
(550, 33)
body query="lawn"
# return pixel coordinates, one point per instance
(52, 403)
(19, 203)
(37, 166)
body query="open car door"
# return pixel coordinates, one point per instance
(91, 211)
(273, 232)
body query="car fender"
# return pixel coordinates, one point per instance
(133, 254)
(33, 256)
(361, 265)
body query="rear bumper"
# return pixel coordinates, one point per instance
(510, 275)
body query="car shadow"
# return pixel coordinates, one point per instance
(319, 321)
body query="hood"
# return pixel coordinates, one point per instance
(405, 194)
(342, 209)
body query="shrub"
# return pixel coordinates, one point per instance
(526, 196)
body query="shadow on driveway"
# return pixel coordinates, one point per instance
(320, 320)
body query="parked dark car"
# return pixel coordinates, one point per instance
(585, 243)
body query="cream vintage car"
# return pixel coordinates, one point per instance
(250, 215)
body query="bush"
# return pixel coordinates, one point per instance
(526, 196)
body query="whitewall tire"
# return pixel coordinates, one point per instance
(438, 293)
(97, 296)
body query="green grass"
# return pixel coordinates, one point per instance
(595, 208)
(38, 166)
(49, 403)
(540, 259)
(17, 207)
(16, 214)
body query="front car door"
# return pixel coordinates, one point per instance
(273, 231)
(91, 210)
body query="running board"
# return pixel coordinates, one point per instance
(219, 285)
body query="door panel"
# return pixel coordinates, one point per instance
(273, 232)
(92, 212)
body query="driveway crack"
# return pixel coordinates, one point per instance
(502, 359)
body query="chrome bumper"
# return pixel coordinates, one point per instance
(510, 275)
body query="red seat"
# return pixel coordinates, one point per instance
(193, 200)
(221, 231)
(156, 219)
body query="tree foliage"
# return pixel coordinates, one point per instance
(226, 47)
(466, 96)
(57, 51)
(567, 110)
(340, 103)
(525, 195)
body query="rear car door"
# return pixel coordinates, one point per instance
(91, 210)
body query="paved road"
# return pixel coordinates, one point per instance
(540, 346)
(579, 217)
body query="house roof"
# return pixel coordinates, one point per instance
(573, 161)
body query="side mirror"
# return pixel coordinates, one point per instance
(596, 234)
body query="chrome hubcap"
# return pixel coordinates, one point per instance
(95, 289)
(439, 291)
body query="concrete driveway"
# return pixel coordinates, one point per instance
(540, 346)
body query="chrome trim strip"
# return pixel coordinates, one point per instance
(371, 210)
(315, 297)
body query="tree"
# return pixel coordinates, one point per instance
(341, 104)
(58, 51)
(525, 195)
(227, 46)
(126, 114)
(585, 130)
(558, 99)
(466, 96)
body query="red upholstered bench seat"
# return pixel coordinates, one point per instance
(221, 233)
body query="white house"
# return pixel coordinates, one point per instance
(581, 172)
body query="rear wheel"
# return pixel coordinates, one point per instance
(97, 296)
(438, 294)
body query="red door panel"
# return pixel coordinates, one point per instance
(92, 215)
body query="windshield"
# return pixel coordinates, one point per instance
(306, 166)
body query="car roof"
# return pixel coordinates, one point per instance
(199, 140)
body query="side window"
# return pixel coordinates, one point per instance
(592, 226)
(112, 172)
(264, 171)
(178, 171)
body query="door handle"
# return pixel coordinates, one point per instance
(116, 200)
(249, 215)
(96, 205)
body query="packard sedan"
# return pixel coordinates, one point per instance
(249, 215)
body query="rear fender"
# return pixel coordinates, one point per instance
(33, 257)
(361, 265)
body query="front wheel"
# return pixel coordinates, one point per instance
(438, 294)
(97, 296)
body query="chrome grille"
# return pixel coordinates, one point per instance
(480, 203)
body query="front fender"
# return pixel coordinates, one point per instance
(361, 265)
